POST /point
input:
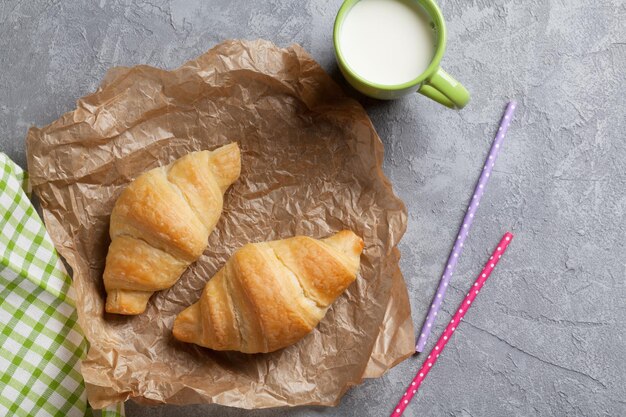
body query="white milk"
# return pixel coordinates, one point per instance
(387, 41)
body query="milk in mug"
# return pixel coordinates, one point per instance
(387, 42)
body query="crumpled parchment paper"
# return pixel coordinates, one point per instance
(311, 165)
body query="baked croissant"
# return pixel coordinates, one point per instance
(269, 295)
(161, 223)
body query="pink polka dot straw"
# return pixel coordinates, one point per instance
(455, 254)
(456, 320)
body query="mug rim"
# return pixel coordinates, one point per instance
(434, 12)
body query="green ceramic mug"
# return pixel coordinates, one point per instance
(434, 82)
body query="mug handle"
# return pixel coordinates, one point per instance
(444, 89)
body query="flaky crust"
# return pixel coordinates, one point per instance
(269, 295)
(161, 222)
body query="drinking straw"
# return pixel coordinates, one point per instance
(456, 320)
(457, 249)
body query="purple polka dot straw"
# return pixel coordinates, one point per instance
(465, 227)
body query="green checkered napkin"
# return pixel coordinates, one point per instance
(40, 342)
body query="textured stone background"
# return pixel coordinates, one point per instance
(547, 336)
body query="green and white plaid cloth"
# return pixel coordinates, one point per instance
(41, 344)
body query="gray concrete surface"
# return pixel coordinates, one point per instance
(547, 336)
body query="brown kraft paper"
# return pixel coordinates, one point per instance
(311, 165)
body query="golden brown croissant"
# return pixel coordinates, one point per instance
(161, 222)
(271, 294)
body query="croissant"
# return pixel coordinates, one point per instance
(161, 223)
(269, 295)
